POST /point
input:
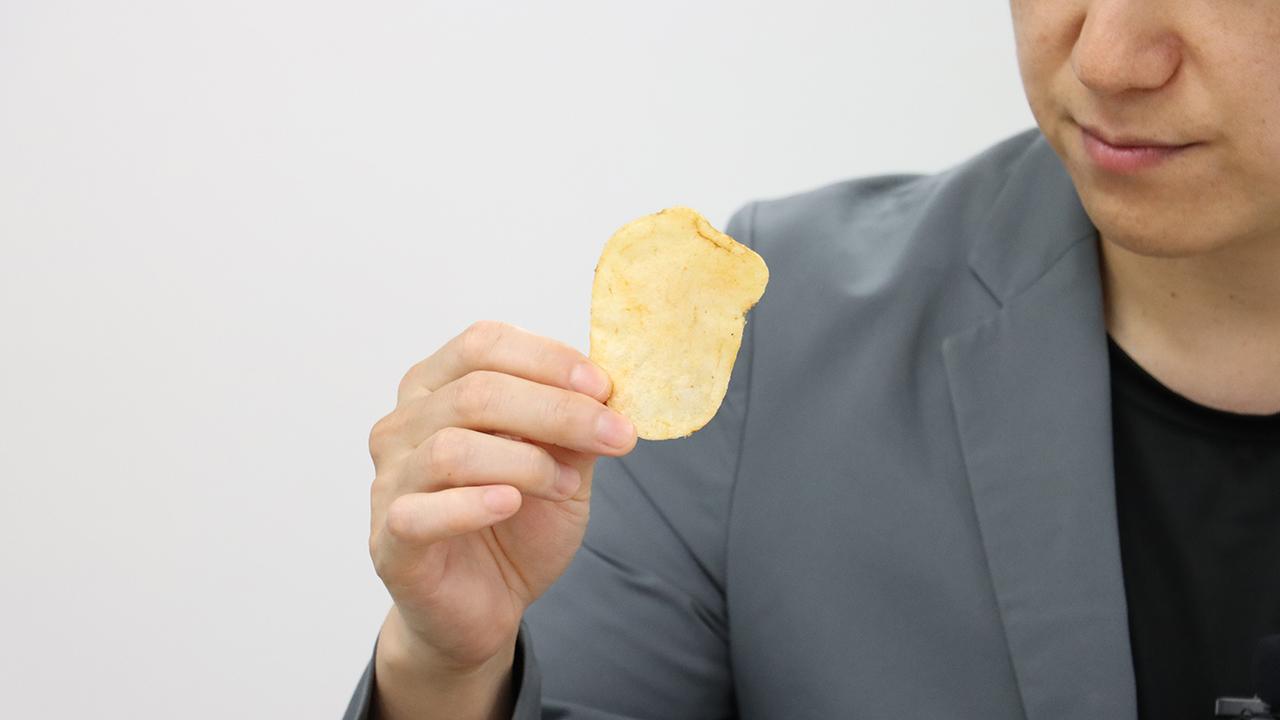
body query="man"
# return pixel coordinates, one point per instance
(1002, 442)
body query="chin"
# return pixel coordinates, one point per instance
(1171, 213)
(1152, 234)
(1150, 223)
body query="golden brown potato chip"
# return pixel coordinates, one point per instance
(668, 305)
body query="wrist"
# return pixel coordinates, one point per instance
(414, 681)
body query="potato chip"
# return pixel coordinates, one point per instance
(668, 307)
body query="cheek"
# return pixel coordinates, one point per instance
(1251, 112)
(1266, 112)
(1239, 65)
(1043, 33)
(1028, 34)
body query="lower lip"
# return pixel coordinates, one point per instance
(1127, 159)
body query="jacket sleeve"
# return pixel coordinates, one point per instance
(526, 685)
(637, 627)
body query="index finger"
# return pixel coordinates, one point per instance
(505, 348)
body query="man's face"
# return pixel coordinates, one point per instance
(1198, 72)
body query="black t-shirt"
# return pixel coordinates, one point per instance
(1198, 493)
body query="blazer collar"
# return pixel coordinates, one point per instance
(1031, 392)
(1036, 217)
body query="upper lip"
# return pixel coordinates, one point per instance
(1128, 141)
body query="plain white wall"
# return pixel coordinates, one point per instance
(227, 228)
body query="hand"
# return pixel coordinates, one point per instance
(483, 486)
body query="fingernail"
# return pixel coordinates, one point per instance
(568, 481)
(613, 430)
(588, 379)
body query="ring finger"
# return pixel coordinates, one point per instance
(455, 456)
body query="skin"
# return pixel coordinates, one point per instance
(496, 409)
(1191, 273)
(1190, 249)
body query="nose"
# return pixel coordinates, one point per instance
(1125, 45)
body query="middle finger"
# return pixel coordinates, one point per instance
(496, 402)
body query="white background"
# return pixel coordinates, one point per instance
(227, 228)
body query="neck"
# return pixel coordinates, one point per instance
(1206, 326)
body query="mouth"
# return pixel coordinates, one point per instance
(1127, 154)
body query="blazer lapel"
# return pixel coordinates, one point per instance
(1031, 391)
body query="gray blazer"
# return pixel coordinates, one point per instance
(905, 506)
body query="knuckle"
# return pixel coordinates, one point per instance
(374, 492)
(539, 463)
(381, 434)
(562, 410)
(478, 341)
(447, 451)
(547, 353)
(476, 395)
(374, 552)
(408, 381)
(382, 491)
(379, 563)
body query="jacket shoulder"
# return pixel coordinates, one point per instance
(870, 226)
